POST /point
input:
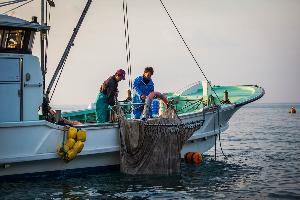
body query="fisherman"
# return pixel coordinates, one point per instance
(142, 87)
(292, 110)
(108, 96)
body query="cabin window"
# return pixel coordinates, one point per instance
(16, 40)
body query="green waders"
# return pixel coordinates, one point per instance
(102, 112)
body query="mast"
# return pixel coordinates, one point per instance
(43, 43)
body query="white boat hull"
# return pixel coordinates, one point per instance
(30, 147)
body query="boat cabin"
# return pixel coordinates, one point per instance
(21, 80)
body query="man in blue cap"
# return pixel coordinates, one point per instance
(108, 96)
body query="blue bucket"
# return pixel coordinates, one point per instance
(155, 107)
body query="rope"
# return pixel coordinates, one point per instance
(198, 102)
(127, 43)
(182, 125)
(65, 55)
(65, 129)
(220, 134)
(10, 2)
(63, 65)
(215, 135)
(18, 6)
(188, 48)
(191, 107)
(186, 87)
(191, 124)
(133, 107)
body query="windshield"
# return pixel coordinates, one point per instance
(12, 39)
(16, 40)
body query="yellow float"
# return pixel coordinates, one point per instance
(78, 146)
(72, 132)
(73, 145)
(81, 135)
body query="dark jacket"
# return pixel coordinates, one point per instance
(110, 89)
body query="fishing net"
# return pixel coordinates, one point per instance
(153, 146)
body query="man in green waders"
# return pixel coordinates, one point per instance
(108, 96)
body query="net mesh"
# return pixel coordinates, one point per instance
(153, 147)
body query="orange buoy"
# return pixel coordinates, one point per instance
(193, 157)
(292, 110)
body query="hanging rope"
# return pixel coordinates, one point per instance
(17, 6)
(188, 48)
(220, 134)
(215, 134)
(127, 43)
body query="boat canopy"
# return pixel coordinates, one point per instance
(13, 22)
(17, 35)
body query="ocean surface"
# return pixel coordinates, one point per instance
(262, 147)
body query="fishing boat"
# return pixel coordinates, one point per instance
(30, 141)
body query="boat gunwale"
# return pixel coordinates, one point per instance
(115, 124)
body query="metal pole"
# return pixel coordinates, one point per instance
(43, 42)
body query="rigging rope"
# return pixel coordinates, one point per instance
(65, 55)
(62, 68)
(17, 6)
(10, 2)
(197, 103)
(188, 47)
(220, 134)
(127, 44)
(215, 134)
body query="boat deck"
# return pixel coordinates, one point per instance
(188, 101)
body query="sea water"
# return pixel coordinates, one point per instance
(262, 147)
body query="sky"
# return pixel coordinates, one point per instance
(236, 42)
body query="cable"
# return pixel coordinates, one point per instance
(188, 48)
(58, 79)
(127, 44)
(10, 2)
(64, 57)
(215, 135)
(220, 134)
(18, 6)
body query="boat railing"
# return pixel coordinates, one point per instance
(180, 91)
